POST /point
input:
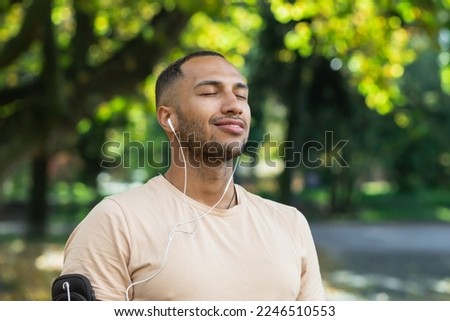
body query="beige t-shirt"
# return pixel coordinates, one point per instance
(257, 250)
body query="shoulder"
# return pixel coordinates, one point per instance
(261, 201)
(278, 215)
(116, 213)
(270, 206)
(135, 194)
(116, 206)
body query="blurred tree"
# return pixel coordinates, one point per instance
(60, 64)
(420, 153)
(63, 61)
(371, 39)
(319, 101)
(74, 74)
(319, 50)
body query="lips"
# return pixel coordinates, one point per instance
(230, 125)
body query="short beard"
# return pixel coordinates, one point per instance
(202, 151)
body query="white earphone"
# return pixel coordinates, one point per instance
(171, 125)
(175, 228)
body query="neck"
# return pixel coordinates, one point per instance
(205, 184)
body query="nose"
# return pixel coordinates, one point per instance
(232, 105)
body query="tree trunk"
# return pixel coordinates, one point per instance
(297, 100)
(37, 210)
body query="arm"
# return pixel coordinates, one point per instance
(311, 279)
(99, 249)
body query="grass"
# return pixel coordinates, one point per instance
(28, 269)
(386, 205)
(419, 206)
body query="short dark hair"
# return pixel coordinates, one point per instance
(171, 73)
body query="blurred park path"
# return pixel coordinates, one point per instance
(384, 261)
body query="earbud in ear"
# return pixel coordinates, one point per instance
(171, 125)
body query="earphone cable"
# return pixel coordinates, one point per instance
(175, 227)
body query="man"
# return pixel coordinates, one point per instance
(192, 234)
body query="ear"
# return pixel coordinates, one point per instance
(164, 113)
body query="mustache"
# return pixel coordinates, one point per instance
(235, 117)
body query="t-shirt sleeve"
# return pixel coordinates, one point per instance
(99, 248)
(311, 279)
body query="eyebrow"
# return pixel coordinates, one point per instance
(218, 83)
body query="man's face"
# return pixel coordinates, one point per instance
(214, 115)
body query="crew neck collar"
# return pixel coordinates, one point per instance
(200, 206)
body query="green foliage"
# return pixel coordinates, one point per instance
(371, 40)
(445, 78)
(325, 56)
(76, 75)
(232, 33)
